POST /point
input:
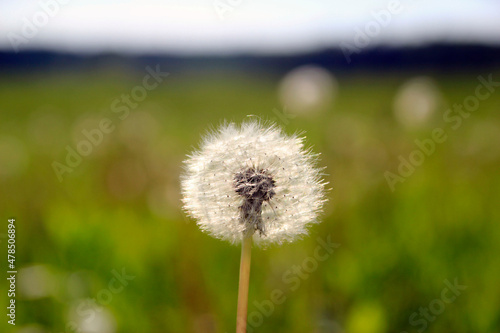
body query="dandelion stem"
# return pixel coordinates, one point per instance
(246, 252)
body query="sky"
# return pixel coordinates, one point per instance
(251, 26)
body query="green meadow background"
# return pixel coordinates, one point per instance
(118, 213)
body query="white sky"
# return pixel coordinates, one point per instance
(251, 25)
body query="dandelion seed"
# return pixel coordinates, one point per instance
(253, 180)
(252, 183)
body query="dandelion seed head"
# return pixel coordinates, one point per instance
(253, 179)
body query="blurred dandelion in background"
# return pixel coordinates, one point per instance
(307, 90)
(36, 281)
(416, 102)
(94, 319)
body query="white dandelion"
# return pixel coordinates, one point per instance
(307, 90)
(253, 180)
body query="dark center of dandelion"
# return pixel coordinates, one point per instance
(255, 186)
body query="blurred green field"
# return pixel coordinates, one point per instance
(120, 210)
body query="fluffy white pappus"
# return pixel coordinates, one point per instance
(210, 187)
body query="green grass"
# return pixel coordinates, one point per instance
(120, 208)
